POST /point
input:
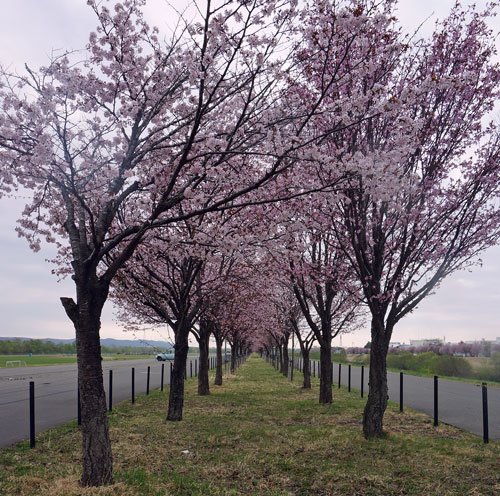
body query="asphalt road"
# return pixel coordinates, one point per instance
(56, 393)
(459, 403)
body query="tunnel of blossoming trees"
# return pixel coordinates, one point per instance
(274, 169)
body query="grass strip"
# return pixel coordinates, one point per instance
(259, 434)
(43, 360)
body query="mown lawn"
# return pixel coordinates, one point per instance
(259, 434)
(40, 360)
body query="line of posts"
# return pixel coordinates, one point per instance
(32, 429)
(484, 394)
(484, 391)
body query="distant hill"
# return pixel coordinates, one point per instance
(111, 342)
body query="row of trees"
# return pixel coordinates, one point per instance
(37, 346)
(271, 169)
(474, 349)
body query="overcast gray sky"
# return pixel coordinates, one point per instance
(465, 307)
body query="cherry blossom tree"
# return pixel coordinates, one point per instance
(327, 297)
(135, 134)
(306, 338)
(418, 214)
(160, 285)
(186, 285)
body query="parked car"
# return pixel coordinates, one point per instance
(163, 357)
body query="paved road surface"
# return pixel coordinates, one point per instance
(459, 403)
(55, 390)
(56, 393)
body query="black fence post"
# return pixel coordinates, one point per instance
(486, 436)
(110, 391)
(190, 368)
(78, 406)
(162, 376)
(196, 367)
(340, 373)
(362, 380)
(436, 401)
(148, 379)
(401, 391)
(133, 385)
(32, 414)
(186, 372)
(349, 378)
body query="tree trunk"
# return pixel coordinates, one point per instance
(233, 358)
(218, 365)
(204, 365)
(97, 466)
(285, 359)
(378, 392)
(306, 369)
(326, 373)
(176, 395)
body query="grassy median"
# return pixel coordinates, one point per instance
(259, 434)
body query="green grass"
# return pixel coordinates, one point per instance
(40, 360)
(261, 435)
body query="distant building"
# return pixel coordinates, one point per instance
(395, 344)
(426, 342)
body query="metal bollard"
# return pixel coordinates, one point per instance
(133, 385)
(32, 414)
(362, 379)
(436, 420)
(162, 376)
(148, 379)
(110, 391)
(486, 436)
(401, 391)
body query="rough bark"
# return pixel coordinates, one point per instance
(204, 363)
(280, 354)
(219, 364)
(378, 393)
(306, 369)
(96, 445)
(325, 373)
(285, 359)
(176, 395)
(233, 357)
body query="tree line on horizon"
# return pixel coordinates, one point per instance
(47, 347)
